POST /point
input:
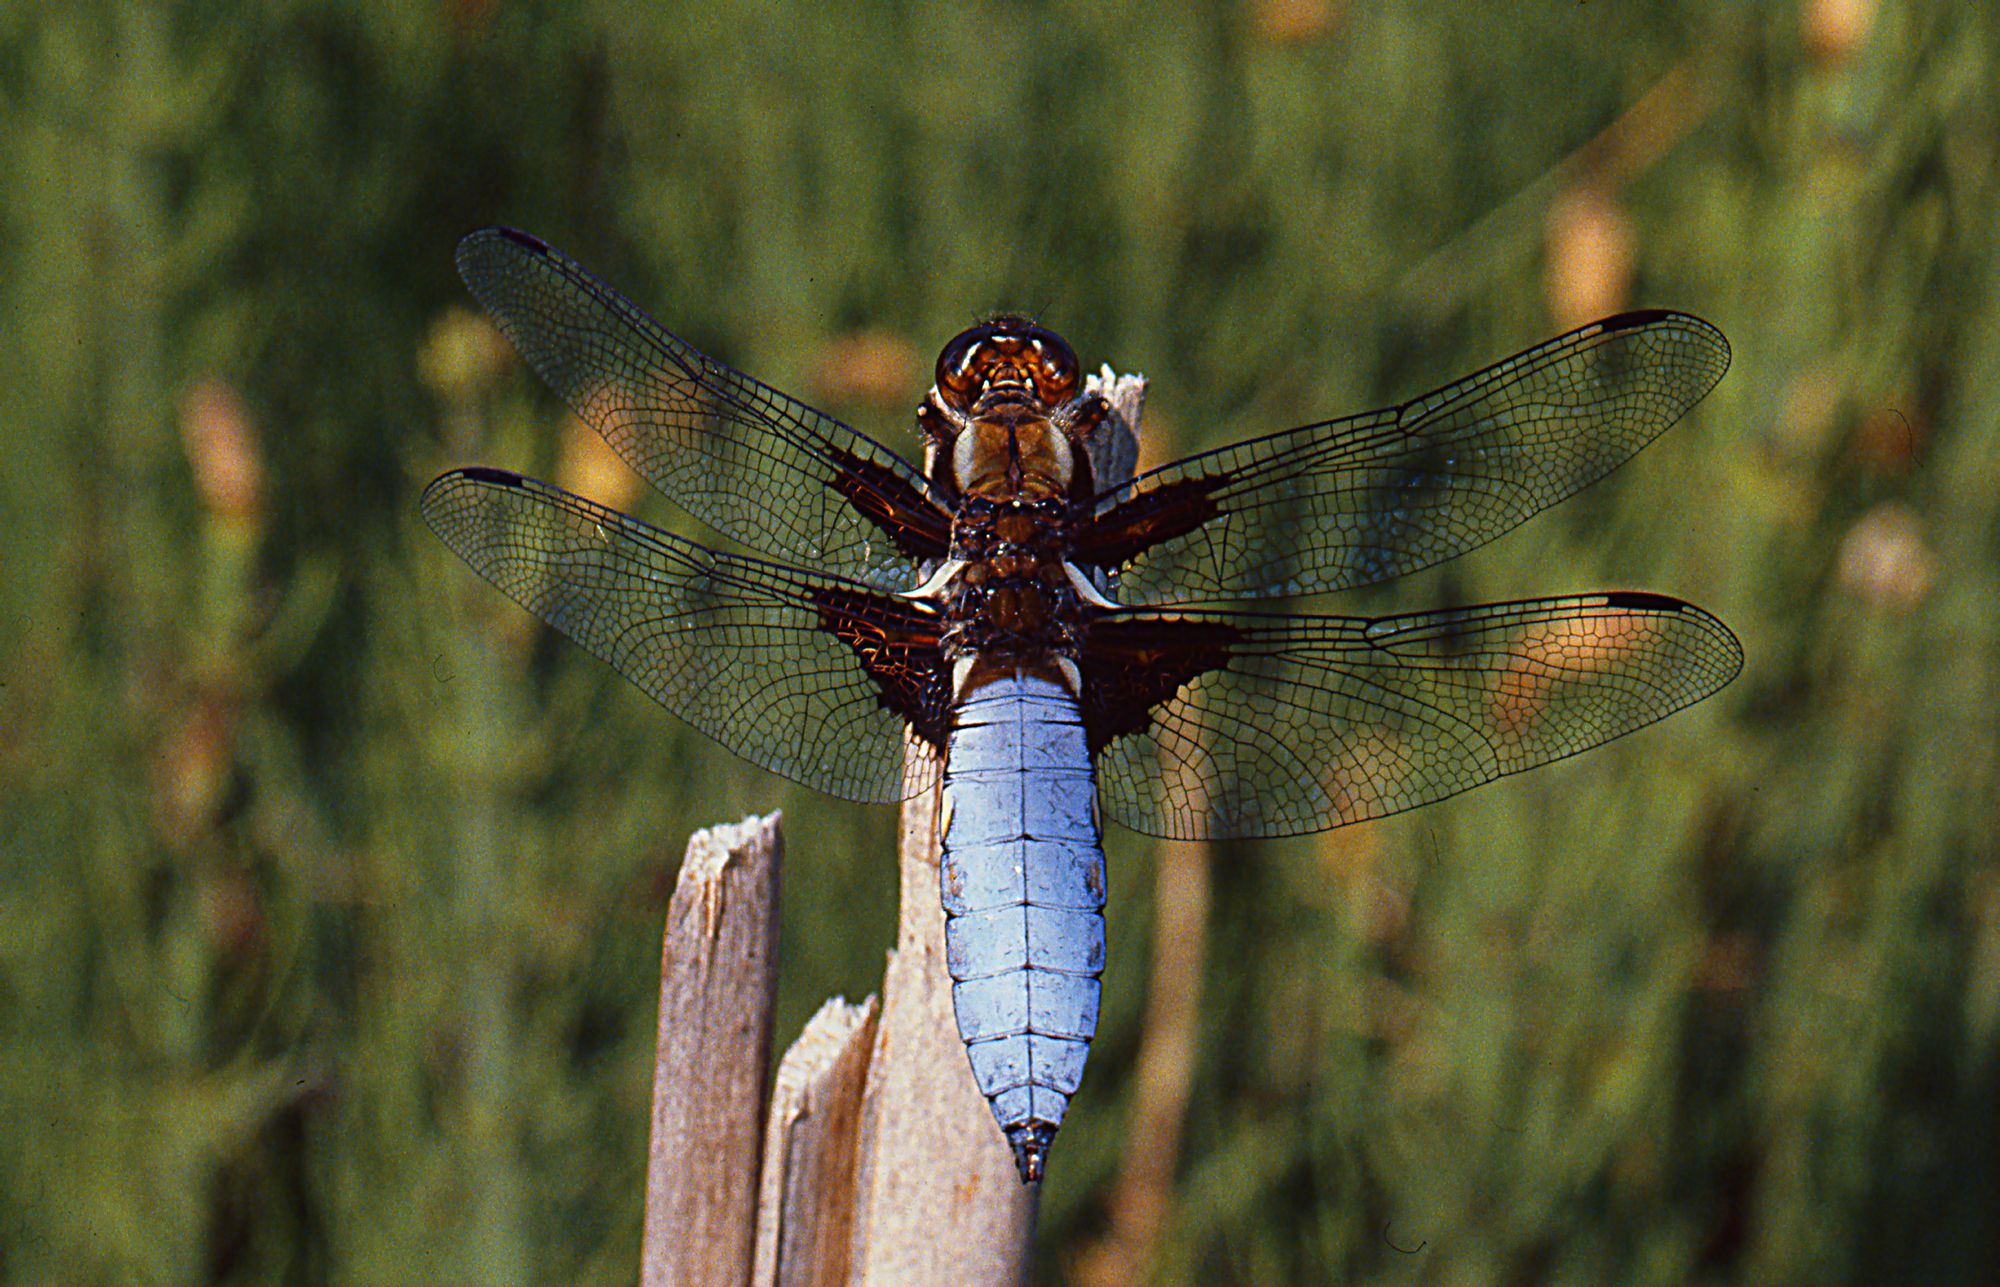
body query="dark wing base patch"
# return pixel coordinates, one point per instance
(920, 529)
(1132, 664)
(898, 646)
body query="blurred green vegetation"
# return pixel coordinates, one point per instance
(330, 884)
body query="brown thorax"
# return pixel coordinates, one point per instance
(1006, 425)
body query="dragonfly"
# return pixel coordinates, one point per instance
(1059, 647)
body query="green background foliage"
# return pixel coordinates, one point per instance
(330, 885)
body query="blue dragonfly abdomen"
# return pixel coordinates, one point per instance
(1022, 879)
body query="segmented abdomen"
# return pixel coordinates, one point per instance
(1022, 870)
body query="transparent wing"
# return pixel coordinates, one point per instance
(809, 678)
(1362, 499)
(758, 466)
(1276, 726)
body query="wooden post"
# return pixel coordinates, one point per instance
(805, 1224)
(718, 978)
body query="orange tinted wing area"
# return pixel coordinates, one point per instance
(1280, 725)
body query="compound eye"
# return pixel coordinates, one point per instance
(1057, 373)
(957, 365)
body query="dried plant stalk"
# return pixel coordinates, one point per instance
(718, 978)
(805, 1220)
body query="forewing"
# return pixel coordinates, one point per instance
(760, 467)
(1277, 726)
(1362, 499)
(809, 678)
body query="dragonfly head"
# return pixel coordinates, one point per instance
(1008, 412)
(1007, 362)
